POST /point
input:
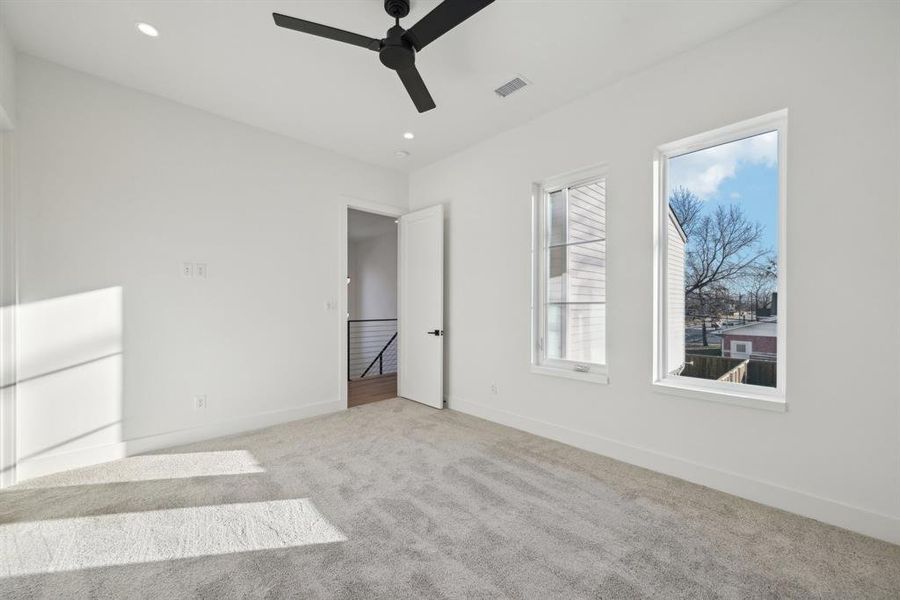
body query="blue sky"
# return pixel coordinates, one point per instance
(744, 172)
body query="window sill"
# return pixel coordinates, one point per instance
(769, 402)
(601, 378)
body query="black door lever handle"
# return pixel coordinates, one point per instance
(435, 332)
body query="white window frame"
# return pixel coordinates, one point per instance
(592, 372)
(753, 396)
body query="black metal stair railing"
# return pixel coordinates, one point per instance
(371, 347)
(379, 358)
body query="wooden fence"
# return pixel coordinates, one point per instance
(715, 367)
(762, 372)
(736, 370)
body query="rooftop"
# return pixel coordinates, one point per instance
(759, 329)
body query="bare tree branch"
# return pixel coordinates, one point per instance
(723, 257)
(687, 208)
(722, 249)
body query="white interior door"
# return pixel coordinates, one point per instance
(421, 306)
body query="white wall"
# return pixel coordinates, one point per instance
(117, 189)
(373, 277)
(8, 293)
(835, 454)
(372, 294)
(7, 260)
(7, 81)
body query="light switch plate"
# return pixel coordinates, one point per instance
(187, 270)
(200, 270)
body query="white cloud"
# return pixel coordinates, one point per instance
(703, 171)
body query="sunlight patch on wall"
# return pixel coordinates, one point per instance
(69, 380)
(139, 537)
(154, 467)
(62, 332)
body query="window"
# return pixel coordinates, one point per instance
(741, 349)
(720, 302)
(570, 275)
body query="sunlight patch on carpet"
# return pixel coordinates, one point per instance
(153, 467)
(127, 538)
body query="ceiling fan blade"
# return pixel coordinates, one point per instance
(416, 89)
(446, 15)
(325, 31)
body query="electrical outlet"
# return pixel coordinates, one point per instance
(200, 402)
(187, 270)
(495, 389)
(200, 270)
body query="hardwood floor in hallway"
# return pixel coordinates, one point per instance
(371, 389)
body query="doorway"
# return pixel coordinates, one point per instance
(372, 328)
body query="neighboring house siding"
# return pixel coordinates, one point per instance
(587, 273)
(578, 275)
(762, 345)
(675, 299)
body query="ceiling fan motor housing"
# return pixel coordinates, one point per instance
(396, 52)
(396, 8)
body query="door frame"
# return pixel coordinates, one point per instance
(346, 203)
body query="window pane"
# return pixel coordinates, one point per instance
(587, 273)
(577, 273)
(722, 262)
(576, 332)
(575, 311)
(557, 217)
(587, 212)
(557, 267)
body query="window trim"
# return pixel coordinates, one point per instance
(747, 395)
(540, 364)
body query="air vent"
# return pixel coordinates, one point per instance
(511, 86)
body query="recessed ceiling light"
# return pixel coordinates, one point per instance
(401, 153)
(147, 29)
(409, 135)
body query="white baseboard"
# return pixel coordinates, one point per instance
(230, 426)
(54, 463)
(877, 525)
(46, 464)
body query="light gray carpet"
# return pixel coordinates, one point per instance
(397, 500)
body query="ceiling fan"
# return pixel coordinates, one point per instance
(398, 50)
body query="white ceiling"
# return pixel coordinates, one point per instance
(362, 225)
(230, 59)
